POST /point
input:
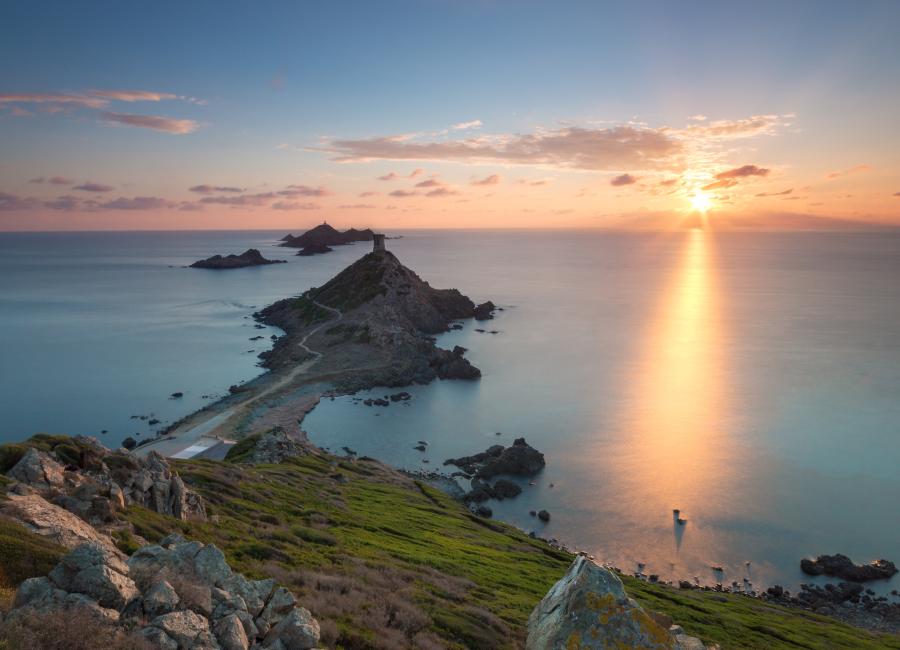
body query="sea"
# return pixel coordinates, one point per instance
(748, 380)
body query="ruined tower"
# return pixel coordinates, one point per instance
(378, 242)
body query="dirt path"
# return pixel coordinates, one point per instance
(196, 435)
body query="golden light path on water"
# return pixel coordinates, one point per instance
(674, 450)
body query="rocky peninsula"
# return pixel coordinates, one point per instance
(250, 257)
(320, 239)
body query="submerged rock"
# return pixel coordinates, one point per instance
(588, 608)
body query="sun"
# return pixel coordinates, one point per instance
(701, 202)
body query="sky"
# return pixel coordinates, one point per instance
(442, 114)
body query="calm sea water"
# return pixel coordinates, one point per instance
(750, 380)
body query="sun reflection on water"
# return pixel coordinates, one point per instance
(675, 450)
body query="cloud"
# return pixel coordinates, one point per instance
(137, 203)
(431, 182)
(363, 195)
(56, 99)
(570, 148)
(253, 200)
(735, 129)
(388, 177)
(624, 179)
(896, 193)
(155, 122)
(473, 124)
(698, 118)
(441, 191)
(782, 193)
(668, 182)
(730, 177)
(211, 189)
(131, 95)
(493, 179)
(416, 172)
(94, 187)
(11, 202)
(305, 190)
(402, 194)
(846, 172)
(294, 205)
(534, 183)
(60, 180)
(357, 206)
(743, 171)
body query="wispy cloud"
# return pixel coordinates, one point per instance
(431, 182)
(138, 203)
(295, 205)
(472, 124)
(357, 206)
(155, 122)
(782, 193)
(493, 179)
(441, 192)
(94, 187)
(847, 172)
(212, 189)
(305, 190)
(623, 179)
(730, 177)
(403, 194)
(131, 95)
(58, 99)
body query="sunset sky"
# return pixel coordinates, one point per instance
(119, 115)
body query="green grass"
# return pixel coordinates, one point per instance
(23, 555)
(310, 312)
(357, 284)
(377, 537)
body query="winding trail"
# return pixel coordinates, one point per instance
(197, 436)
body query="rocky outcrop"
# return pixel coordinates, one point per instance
(588, 608)
(451, 364)
(85, 478)
(325, 235)
(178, 595)
(276, 446)
(520, 459)
(314, 249)
(841, 566)
(485, 311)
(48, 520)
(250, 257)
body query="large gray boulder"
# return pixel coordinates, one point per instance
(588, 608)
(298, 630)
(38, 470)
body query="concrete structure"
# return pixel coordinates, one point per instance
(378, 244)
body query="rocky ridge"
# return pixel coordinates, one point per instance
(324, 235)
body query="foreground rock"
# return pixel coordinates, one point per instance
(179, 595)
(841, 566)
(521, 459)
(82, 477)
(250, 257)
(588, 608)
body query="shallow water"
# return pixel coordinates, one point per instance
(751, 380)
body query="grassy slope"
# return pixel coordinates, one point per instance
(383, 561)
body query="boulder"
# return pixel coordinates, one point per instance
(230, 633)
(38, 470)
(160, 599)
(98, 573)
(588, 608)
(184, 627)
(298, 630)
(520, 459)
(42, 517)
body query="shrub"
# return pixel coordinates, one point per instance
(314, 536)
(69, 629)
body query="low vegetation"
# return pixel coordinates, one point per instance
(356, 285)
(386, 562)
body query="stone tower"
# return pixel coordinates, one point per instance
(378, 242)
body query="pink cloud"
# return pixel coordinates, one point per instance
(294, 205)
(154, 122)
(131, 95)
(388, 177)
(441, 191)
(94, 187)
(137, 203)
(305, 190)
(431, 182)
(493, 179)
(402, 194)
(743, 171)
(60, 180)
(58, 99)
(623, 179)
(846, 172)
(357, 206)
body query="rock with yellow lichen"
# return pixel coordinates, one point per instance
(589, 608)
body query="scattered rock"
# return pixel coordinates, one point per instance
(520, 459)
(506, 489)
(843, 567)
(485, 311)
(176, 395)
(543, 515)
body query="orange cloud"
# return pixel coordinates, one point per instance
(157, 123)
(846, 172)
(493, 179)
(623, 179)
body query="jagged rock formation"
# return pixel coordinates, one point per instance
(588, 608)
(79, 481)
(178, 595)
(314, 249)
(250, 257)
(325, 235)
(388, 315)
(520, 459)
(270, 447)
(843, 567)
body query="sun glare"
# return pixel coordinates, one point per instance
(701, 202)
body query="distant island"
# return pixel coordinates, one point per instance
(250, 257)
(322, 237)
